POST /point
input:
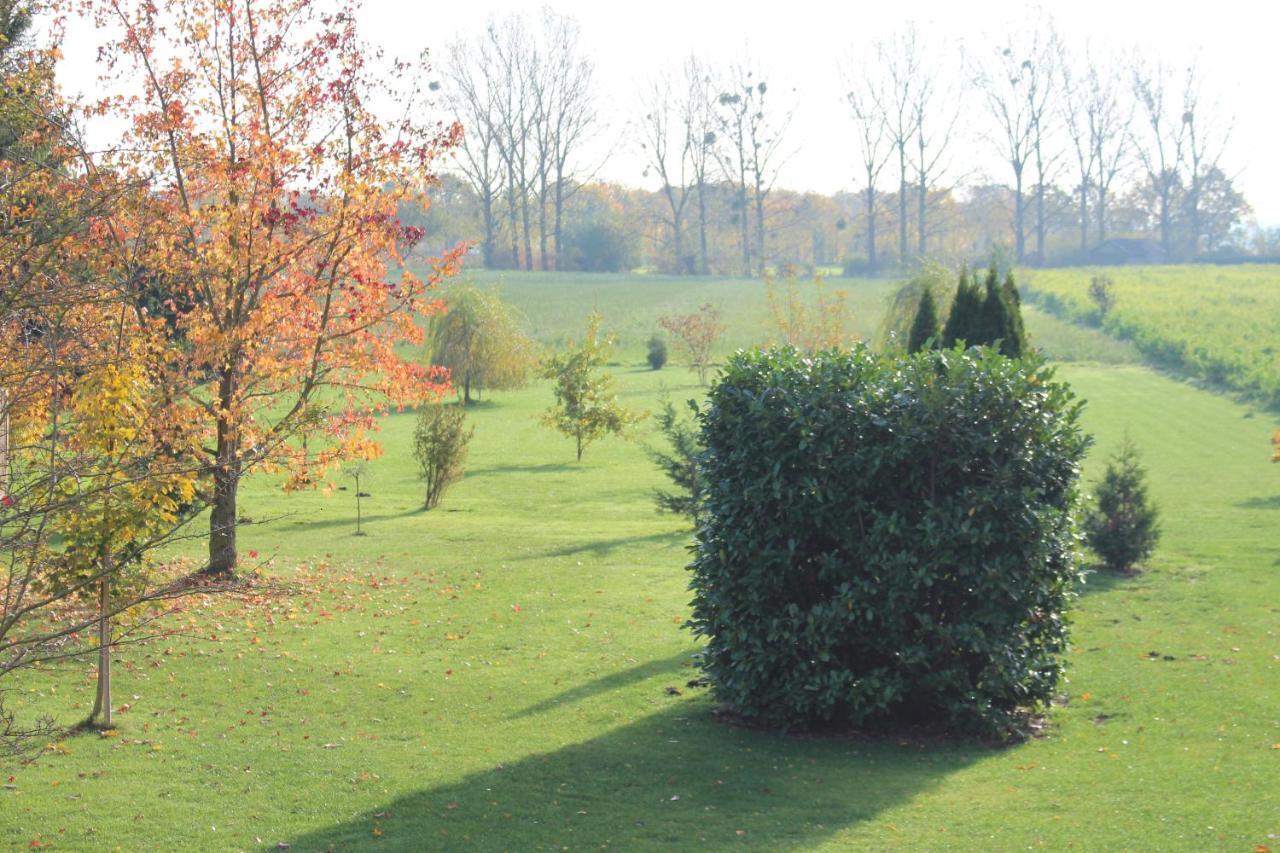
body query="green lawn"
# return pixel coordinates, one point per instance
(493, 674)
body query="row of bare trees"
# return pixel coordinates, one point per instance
(701, 127)
(1053, 113)
(523, 89)
(1061, 118)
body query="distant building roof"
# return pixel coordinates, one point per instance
(1121, 250)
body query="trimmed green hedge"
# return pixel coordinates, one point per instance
(886, 541)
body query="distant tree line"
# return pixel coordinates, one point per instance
(1109, 158)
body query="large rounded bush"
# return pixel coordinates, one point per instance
(886, 541)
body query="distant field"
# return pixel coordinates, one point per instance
(1220, 324)
(555, 305)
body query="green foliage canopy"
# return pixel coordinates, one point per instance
(586, 406)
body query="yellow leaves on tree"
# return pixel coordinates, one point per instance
(809, 321)
(121, 491)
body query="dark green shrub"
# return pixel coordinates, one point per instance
(440, 446)
(886, 541)
(1122, 526)
(657, 352)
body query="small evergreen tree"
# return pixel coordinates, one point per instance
(1013, 303)
(1123, 528)
(657, 352)
(680, 463)
(440, 447)
(987, 315)
(964, 323)
(924, 328)
(994, 325)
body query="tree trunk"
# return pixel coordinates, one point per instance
(902, 204)
(1166, 231)
(1102, 214)
(4, 441)
(226, 483)
(513, 216)
(1019, 214)
(559, 217)
(487, 211)
(677, 243)
(704, 265)
(922, 202)
(542, 225)
(1040, 223)
(1084, 217)
(578, 436)
(871, 228)
(102, 705)
(528, 232)
(760, 260)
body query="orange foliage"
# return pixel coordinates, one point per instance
(265, 228)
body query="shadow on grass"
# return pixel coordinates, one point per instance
(346, 521)
(499, 470)
(1272, 502)
(617, 680)
(674, 779)
(1100, 579)
(604, 547)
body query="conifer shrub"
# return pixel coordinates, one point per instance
(1122, 527)
(886, 542)
(924, 328)
(657, 355)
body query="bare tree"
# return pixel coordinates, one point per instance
(1110, 116)
(899, 58)
(666, 132)
(1076, 113)
(1016, 82)
(751, 152)
(702, 133)
(1045, 84)
(935, 107)
(473, 94)
(864, 95)
(1159, 141)
(506, 54)
(1206, 139)
(568, 110)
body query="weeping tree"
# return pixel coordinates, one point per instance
(480, 340)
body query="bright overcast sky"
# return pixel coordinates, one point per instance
(800, 42)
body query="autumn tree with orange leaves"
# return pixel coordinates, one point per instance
(266, 229)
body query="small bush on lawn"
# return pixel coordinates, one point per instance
(440, 446)
(1122, 526)
(657, 353)
(886, 541)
